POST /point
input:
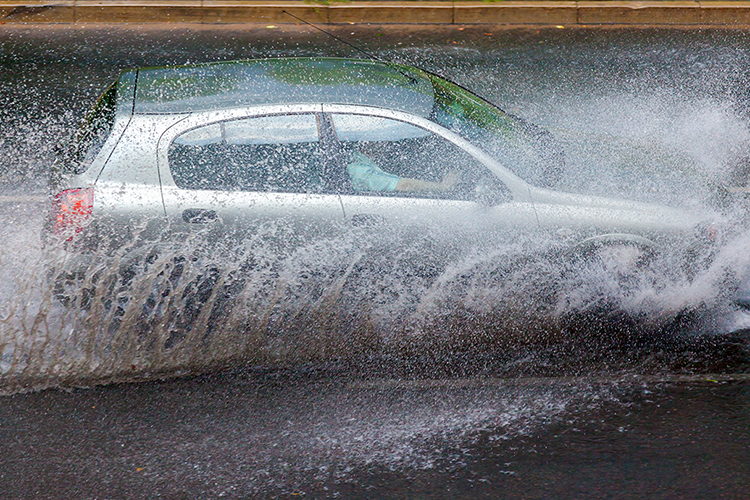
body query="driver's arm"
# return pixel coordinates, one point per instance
(448, 182)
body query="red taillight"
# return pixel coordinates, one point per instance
(707, 232)
(712, 232)
(71, 211)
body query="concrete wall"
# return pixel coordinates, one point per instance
(514, 12)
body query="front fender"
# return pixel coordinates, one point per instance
(616, 239)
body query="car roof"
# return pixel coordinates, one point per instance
(204, 87)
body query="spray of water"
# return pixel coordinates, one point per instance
(355, 298)
(204, 305)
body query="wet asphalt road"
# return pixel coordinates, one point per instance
(286, 435)
(353, 433)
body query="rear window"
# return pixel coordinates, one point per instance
(92, 134)
(272, 153)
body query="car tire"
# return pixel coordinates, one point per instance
(602, 275)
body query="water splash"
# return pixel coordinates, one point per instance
(631, 132)
(204, 305)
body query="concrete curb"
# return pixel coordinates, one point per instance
(515, 12)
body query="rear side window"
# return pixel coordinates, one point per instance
(270, 153)
(92, 134)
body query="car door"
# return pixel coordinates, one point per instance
(237, 176)
(410, 182)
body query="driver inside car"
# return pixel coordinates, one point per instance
(366, 175)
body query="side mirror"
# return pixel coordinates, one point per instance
(489, 192)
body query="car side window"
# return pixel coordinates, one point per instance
(271, 153)
(388, 157)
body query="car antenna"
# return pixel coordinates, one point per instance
(371, 56)
(411, 78)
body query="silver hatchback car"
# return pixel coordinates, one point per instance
(322, 147)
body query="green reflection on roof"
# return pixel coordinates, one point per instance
(283, 81)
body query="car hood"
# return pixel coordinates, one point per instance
(651, 214)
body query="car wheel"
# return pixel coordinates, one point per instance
(181, 296)
(605, 274)
(70, 290)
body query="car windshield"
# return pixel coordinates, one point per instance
(92, 134)
(514, 143)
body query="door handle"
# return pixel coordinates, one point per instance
(198, 215)
(367, 220)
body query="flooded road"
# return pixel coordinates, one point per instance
(289, 434)
(461, 390)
